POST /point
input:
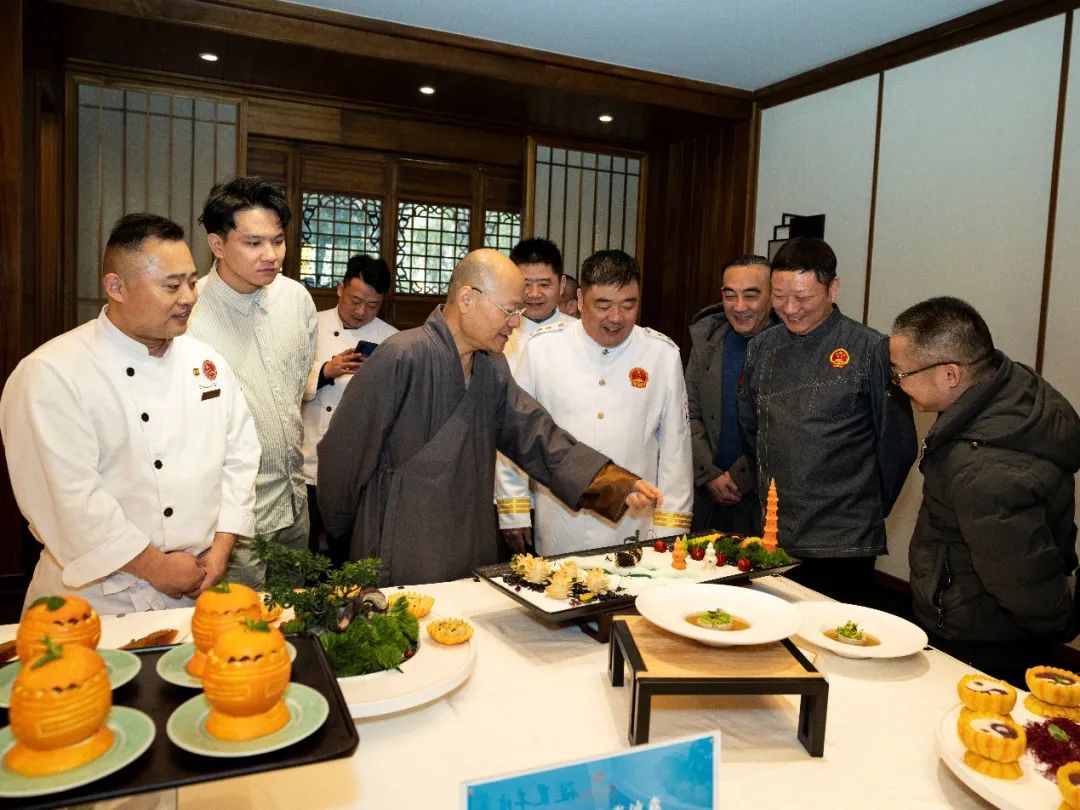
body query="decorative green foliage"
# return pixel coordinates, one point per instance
(52, 653)
(257, 626)
(221, 586)
(52, 603)
(755, 552)
(369, 643)
(850, 630)
(328, 589)
(381, 642)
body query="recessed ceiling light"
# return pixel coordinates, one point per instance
(427, 90)
(206, 56)
(605, 119)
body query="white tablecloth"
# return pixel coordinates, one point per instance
(540, 695)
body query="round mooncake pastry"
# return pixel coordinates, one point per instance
(64, 619)
(247, 673)
(420, 604)
(982, 694)
(1068, 782)
(450, 631)
(1053, 685)
(59, 704)
(218, 609)
(993, 737)
(1044, 709)
(988, 767)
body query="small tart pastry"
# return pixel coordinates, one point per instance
(1053, 685)
(988, 767)
(1068, 782)
(420, 604)
(994, 737)
(982, 694)
(1044, 709)
(450, 631)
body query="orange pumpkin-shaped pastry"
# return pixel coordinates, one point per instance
(64, 619)
(246, 676)
(218, 609)
(1052, 685)
(59, 704)
(993, 736)
(982, 694)
(1068, 781)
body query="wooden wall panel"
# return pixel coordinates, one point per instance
(696, 217)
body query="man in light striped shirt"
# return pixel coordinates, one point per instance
(265, 325)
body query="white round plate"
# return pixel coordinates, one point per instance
(1032, 791)
(898, 637)
(770, 617)
(434, 671)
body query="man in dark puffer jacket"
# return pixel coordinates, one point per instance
(993, 553)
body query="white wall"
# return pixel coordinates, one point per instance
(962, 200)
(817, 156)
(1061, 364)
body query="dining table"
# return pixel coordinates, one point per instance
(540, 694)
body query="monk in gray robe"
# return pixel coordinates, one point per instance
(406, 468)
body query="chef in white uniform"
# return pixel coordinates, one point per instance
(131, 450)
(540, 261)
(619, 388)
(341, 328)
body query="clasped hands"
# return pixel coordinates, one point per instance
(723, 490)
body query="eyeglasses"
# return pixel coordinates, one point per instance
(509, 313)
(900, 375)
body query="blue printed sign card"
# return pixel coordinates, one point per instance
(679, 775)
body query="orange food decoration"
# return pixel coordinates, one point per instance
(678, 555)
(246, 676)
(64, 619)
(59, 704)
(218, 609)
(772, 508)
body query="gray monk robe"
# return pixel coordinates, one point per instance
(407, 465)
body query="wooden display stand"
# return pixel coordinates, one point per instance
(662, 663)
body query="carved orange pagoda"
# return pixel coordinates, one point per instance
(772, 503)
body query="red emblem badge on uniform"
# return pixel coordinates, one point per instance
(839, 358)
(639, 377)
(209, 369)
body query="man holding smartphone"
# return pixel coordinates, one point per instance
(348, 333)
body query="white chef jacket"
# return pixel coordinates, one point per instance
(513, 505)
(110, 449)
(629, 403)
(320, 403)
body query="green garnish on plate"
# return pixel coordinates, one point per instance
(850, 630)
(714, 618)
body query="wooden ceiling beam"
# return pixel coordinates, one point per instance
(299, 25)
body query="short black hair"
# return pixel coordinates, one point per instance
(537, 251)
(131, 230)
(609, 267)
(946, 329)
(807, 254)
(241, 194)
(373, 272)
(746, 260)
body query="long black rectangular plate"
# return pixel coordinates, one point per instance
(165, 766)
(489, 573)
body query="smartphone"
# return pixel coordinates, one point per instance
(366, 347)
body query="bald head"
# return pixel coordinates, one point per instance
(485, 286)
(482, 269)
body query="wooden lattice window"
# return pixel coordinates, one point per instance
(334, 227)
(431, 240)
(502, 230)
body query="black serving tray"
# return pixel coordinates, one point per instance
(165, 766)
(595, 610)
